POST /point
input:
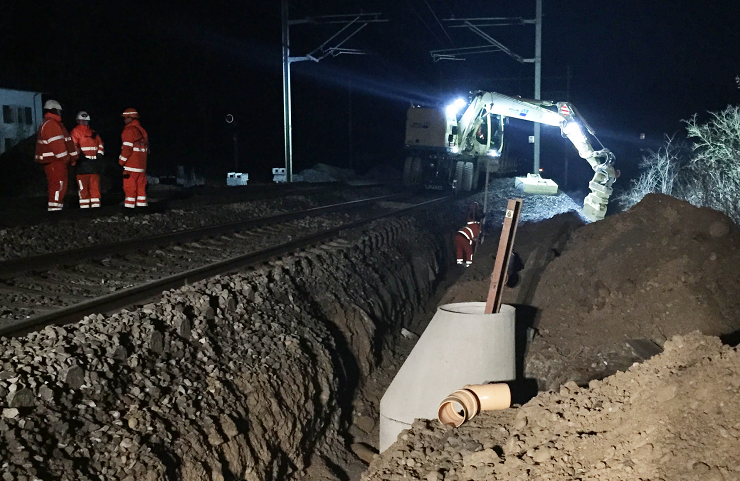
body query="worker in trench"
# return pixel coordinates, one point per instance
(466, 238)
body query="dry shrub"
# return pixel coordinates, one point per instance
(707, 174)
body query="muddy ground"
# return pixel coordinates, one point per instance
(597, 300)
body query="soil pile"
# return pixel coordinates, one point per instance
(671, 417)
(663, 268)
(597, 298)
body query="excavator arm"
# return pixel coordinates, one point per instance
(560, 114)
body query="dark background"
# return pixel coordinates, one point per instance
(630, 67)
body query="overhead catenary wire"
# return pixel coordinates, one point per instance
(439, 23)
(408, 3)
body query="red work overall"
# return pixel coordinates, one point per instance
(55, 151)
(465, 240)
(90, 145)
(133, 159)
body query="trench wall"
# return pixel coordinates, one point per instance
(238, 377)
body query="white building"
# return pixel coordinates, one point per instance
(20, 116)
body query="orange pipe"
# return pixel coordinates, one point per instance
(464, 404)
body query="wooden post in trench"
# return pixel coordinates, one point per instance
(505, 247)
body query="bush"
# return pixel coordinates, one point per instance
(707, 174)
(715, 164)
(661, 174)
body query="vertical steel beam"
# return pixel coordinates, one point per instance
(287, 126)
(537, 81)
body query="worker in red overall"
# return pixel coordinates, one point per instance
(466, 238)
(56, 152)
(133, 159)
(90, 146)
(465, 241)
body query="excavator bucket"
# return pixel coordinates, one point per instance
(534, 184)
(594, 205)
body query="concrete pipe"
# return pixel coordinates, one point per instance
(466, 403)
(461, 346)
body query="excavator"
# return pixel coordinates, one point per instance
(449, 150)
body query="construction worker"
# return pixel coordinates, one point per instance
(55, 151)
(90, 146)
(467, 237)
(465, 241)
(133, 159)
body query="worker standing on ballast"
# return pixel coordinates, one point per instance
(133, 159)
(55, 151)
(467, 237)
(90, 146)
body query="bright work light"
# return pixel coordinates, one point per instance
(573, 131)
(455, 107)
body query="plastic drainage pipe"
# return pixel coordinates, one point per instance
(466, 403)
(462, 345)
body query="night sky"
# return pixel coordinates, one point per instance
(634, 67)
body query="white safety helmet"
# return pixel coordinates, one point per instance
(83, 116)
(52, 105)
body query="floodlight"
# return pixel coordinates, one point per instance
(573, 130)
(455, 107)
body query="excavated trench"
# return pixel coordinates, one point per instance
(274, 373)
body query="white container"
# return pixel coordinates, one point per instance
(237, 178)
(461, 345)
(278, 175)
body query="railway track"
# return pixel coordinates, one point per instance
(22, 212)
(65, 286)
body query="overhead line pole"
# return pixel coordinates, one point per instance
(287, 124)
(475, 25)
(359, 21)
(537, 81)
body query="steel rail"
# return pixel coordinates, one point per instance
(134, 295)
(13, 267)
(18, 212)
(243, 193)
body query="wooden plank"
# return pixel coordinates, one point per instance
(505, 247)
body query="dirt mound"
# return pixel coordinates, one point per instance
(592, 295)
(671, 417)
(662, 268)
(596, 298)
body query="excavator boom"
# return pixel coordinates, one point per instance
(560, 114)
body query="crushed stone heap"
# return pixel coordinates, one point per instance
(671, 417)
